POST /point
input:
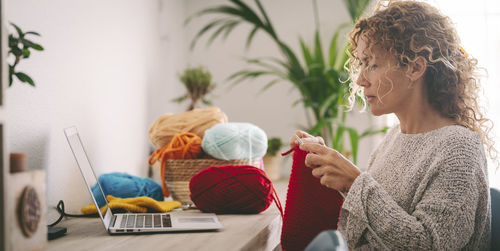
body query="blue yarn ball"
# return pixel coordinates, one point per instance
(231, 141)
(124, 185)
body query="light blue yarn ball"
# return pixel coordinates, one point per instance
(232, 141)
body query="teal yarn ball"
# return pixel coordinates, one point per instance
(231, 141)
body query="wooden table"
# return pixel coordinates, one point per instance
(241, 232)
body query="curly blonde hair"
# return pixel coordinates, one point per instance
(409, 30)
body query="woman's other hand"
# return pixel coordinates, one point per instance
(306, 138)
(332, 168)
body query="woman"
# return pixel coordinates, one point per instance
(426, 185)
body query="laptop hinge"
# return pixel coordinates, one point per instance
(112, 224)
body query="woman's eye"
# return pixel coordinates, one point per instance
(373, 67)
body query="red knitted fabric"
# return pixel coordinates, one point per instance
(232, 190)
(310, 207)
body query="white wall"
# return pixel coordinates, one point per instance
(172, 53)
(100, 63)
(272, 110)
(110, 67)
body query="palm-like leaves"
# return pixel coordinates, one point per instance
(317, 77)
(356, 8)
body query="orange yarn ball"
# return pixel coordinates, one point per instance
(184, 146)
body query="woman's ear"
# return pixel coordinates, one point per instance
(417, 68)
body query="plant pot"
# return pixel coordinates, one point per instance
(272, 166)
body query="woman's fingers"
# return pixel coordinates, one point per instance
(301, 134)
(306, 138)
(315, 148)
(320, 140)
(332, 168)
(319, 172)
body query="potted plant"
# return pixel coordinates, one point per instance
(27, 230)
(198, 83)
(20, 47)
(272, 159)
(319, 77)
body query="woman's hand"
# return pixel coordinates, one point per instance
(306, 138)
(332, 168)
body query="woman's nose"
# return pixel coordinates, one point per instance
(362, 81)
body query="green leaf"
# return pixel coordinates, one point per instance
(327, 104)
(13, 41)
(268, 85)
(250, 37)
(269, 26)
(318, 50)
(229, 29)
(370, 131)
(181, 98)
(333, 75)
(263, 62)
(37, 47)
(338, 140)
(11, 72)
(242, 75)
(206, 28)
(16, 51)
(341, 59)
(26, 53)
(306, 53)
(19, 31)
(274, 144)
(354, 138)
(24, 78)
(32, 33)
(226, 26)
(334, 50)
(316, 129)
(356, 8)
(206, 102)
(249, 14)
(30, 44)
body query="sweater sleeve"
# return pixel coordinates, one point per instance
(443, 218)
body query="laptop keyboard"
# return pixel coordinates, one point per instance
(146, 221)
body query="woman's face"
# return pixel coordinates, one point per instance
(386, 87)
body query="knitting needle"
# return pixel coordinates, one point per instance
(299, 140)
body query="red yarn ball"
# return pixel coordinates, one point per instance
(231, 190)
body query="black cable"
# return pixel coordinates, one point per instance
(60, 209)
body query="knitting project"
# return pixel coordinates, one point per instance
(310, 207)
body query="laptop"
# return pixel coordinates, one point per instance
(129, 223)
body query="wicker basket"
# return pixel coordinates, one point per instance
(178, 173)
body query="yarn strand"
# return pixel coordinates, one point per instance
(182, 146)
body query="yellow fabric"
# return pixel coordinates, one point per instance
(136, 205)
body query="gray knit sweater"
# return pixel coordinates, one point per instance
(425, 191)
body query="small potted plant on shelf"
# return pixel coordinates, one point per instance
(272, 160)
(20, 46)
(198, 83)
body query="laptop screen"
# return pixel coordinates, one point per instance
(88, 173)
